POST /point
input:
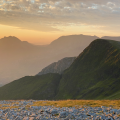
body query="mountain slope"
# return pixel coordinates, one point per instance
(20, 58)
(58, 67)
(94, 74)
(31, 87)
(72, 45)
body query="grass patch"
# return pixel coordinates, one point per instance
(79, 103)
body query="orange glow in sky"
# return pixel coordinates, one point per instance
(43, 21)
(38, 37)
(35, 37)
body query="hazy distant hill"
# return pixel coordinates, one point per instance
(93, 75)
(111, 38)
(20, 58)
(17, 58)
(58, 67)
(71, 45)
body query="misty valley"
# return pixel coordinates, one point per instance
(87, 68)
(59, 59)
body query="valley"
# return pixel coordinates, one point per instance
(94, 74)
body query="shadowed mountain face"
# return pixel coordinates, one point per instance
(20, 58)
(94, 74)
(58, 67)
(37, 87)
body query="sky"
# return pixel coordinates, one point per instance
(42, 21)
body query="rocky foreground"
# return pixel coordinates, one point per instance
(24, 110)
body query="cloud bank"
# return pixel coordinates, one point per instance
(46, 15)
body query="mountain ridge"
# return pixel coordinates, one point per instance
(24, 59)
(13, 40)
(58, 67)
(94, 74)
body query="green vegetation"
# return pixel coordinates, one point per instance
(79, 103)
(31, 87)
(95, 74)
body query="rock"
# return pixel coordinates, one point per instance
(58, 67)
(54, 112)
(71, 116)
(63, 115)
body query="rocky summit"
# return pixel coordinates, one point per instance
(25, 110)
(58, 67)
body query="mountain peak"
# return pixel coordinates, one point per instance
(10, 39)
(58, 67)
(94, 74)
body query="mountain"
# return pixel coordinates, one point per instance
(20, 58)
(111, 38)
(94, 74)
(17, 58)
(58, 67)
(71, 45)
(37, 87)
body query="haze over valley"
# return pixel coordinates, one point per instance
(20, 58)
(59, 60)
(95, 70)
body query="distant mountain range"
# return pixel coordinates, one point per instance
(94, 74)
(111, 38)
(20, 58)
(58, 67)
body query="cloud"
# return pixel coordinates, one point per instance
(45, 15)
